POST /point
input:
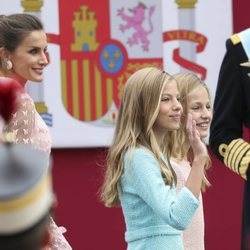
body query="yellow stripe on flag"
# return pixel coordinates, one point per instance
(75, 96)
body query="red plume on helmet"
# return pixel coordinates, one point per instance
(9, 90)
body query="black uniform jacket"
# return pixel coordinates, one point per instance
(232, 109)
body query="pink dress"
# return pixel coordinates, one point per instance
(29, 128)
(193, 236)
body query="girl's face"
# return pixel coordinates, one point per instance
(30, 58)
(169, 115)
(198, 104)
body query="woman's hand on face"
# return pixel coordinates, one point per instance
(198, 146)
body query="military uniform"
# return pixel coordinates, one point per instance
(231, 113)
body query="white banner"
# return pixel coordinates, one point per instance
(196, 32)
(95, 45)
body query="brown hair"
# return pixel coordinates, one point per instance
(15, 28)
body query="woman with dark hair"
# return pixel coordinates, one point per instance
(23, 57)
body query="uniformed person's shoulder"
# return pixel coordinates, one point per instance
(235, 39)
(239, 37)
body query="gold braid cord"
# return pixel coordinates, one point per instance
(236, 156)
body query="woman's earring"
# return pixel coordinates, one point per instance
(8, 64)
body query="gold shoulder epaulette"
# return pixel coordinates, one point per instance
(235, 39)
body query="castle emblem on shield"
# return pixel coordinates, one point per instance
(97, 55)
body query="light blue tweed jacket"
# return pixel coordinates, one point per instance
(154, 214)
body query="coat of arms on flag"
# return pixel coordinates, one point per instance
(101, 44)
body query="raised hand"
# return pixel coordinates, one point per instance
(198, 146)
(200, 157)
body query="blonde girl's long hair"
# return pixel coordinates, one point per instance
(138, 111)
(181, 149)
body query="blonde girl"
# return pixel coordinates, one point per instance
(138, 176)
(196, 100)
